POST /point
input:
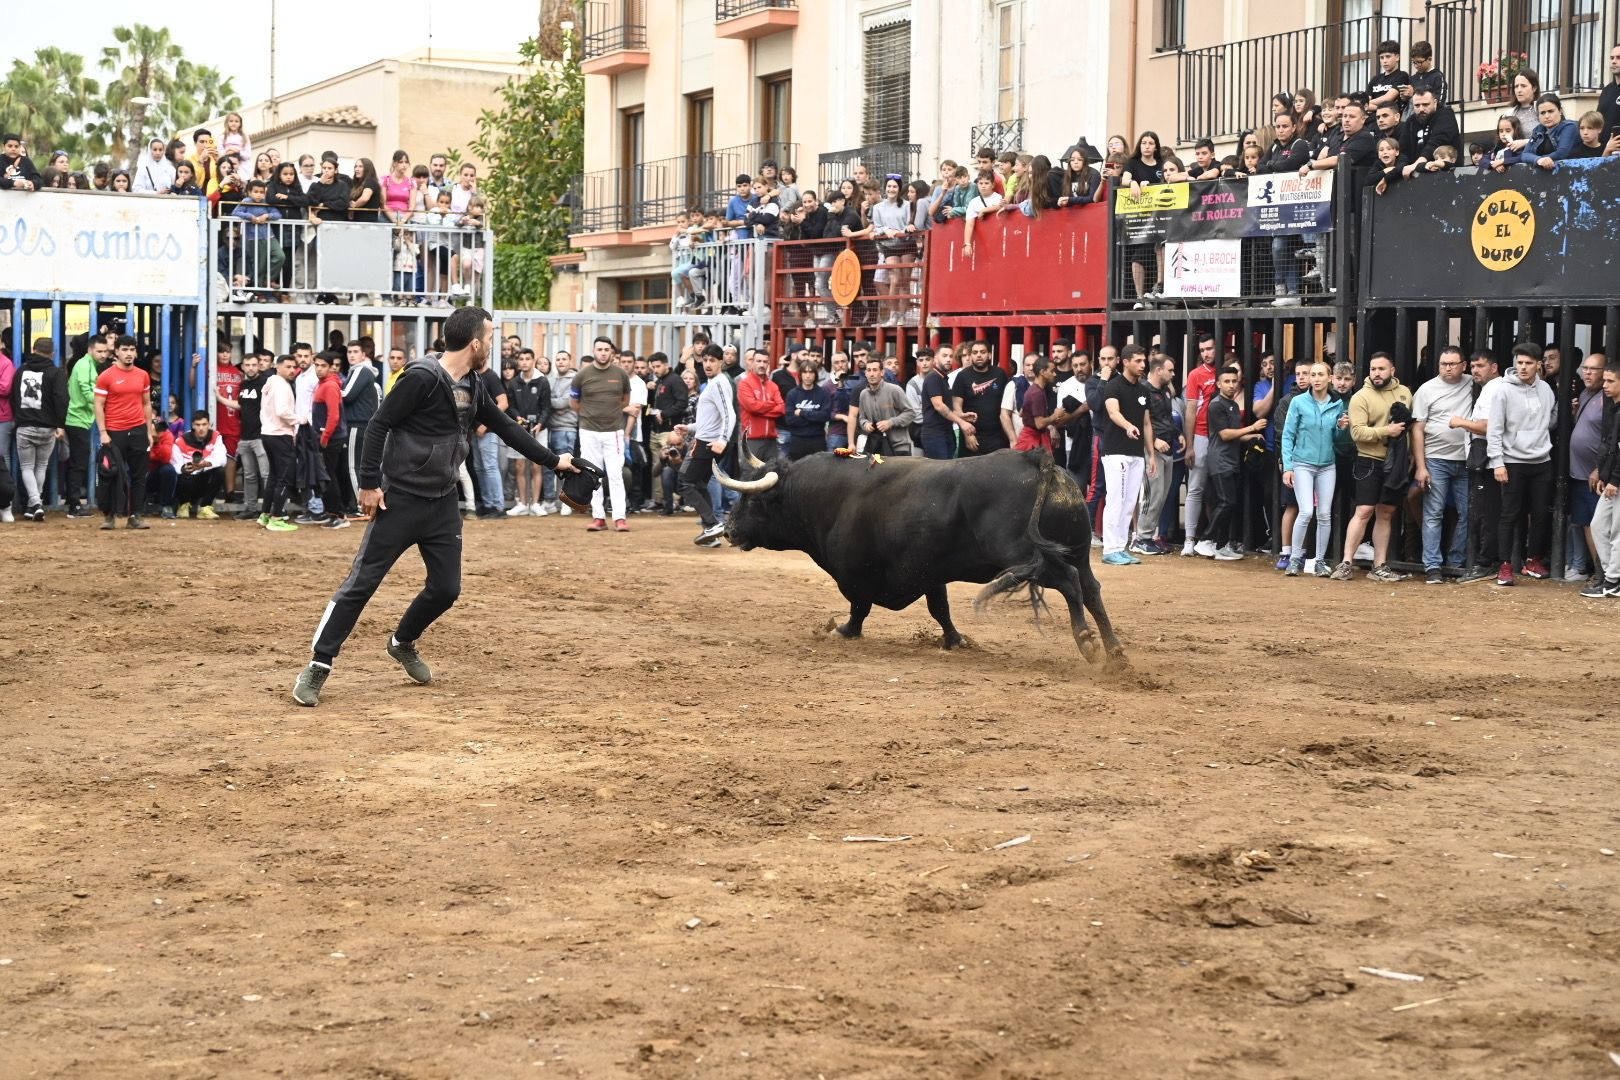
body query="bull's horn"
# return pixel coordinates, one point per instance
(764, 483)
(749, 459)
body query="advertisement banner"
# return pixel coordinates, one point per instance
(1253, 207)
(89, 244)
(1203, 268)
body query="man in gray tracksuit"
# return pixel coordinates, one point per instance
(1518, 446)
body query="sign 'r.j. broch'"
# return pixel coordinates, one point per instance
(1524, 234)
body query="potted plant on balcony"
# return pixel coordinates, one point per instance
(1496, 76)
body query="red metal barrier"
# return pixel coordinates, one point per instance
(887, 314)
(1055, 263)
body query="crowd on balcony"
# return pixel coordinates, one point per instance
(271, 209)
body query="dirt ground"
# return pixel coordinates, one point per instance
(610, 838)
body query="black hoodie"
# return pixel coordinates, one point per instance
(39, 394)
(418, 439)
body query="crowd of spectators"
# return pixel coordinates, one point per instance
(270, 248)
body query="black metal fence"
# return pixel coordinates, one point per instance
(880, 159)
(1226, 89)
(734, 9)
(654, 192)
(1000, 136)
(614, 25)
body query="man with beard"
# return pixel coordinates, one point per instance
(1373, 431)
(976, 400)
(415, 446)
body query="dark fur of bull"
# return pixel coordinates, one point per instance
(892, 533)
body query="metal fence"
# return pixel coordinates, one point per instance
(735, 9)
(614, 25)
(548, 332)
(999, 137)
(417, 263)
(653, 192)
(1226, 89)
(880, 159)
(723, 277)
(1567, 43)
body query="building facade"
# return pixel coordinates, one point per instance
(683, 95)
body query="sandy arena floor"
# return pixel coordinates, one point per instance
(609, 839)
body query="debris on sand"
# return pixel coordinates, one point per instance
(1385, 973)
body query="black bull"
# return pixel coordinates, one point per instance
(894, 532)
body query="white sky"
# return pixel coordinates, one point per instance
(315, 39)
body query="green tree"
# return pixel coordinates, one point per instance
(534, 146)
(143, 61)
(47, 99)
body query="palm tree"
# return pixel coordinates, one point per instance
(200, 92)
(47, 99)
(144, 61)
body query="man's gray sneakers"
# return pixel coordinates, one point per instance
(307, 690)
(409, 659)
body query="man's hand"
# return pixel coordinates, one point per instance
(1344, 420)
(1610, 491)
(60, 434)
(1259, 425)
(106, 437)
(1133, 431)
(481, 432)
(371, 501)
(1161, 446)
(1591, 481)
(1395, 431)
(884, 425)
(1422, 477)
(971, 440)
(565, 463)
(717, 447)
(1152, 467)
(1502, 475)
(1288, 478)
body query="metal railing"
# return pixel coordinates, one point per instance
(880, 159)
(613, 26)
(1226, 89)
(894, 282)
(420, 262)
(999, 137)
(653, 192)
(1568, 47)
(722, 277)
(735, 9)
(547, 332)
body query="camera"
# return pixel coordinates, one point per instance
(673, 455)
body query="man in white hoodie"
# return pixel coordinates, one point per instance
(1518, 445)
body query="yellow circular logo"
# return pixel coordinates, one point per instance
(1504, 228)
(846, 278)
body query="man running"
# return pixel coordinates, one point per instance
(415, 445)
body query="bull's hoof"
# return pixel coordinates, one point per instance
(1117, 661)
(844, 630)
(951, 641)
(1090, 648)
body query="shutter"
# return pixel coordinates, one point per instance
(887, 116)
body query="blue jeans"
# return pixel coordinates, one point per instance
(1448, 486)
(837, 441)
(1284, 267)
(487, 461)
(939, 447)
(562, 441)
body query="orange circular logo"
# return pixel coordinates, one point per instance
(846, 278)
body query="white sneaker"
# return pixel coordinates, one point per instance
(1189, 548)
(565, 510)
(7, 516)
(1206, 548)
(1364, 553)
(539, 509)
(1226, 554)
(520, 510)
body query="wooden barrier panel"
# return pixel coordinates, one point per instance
(1057, 262)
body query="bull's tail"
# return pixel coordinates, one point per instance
(1048, 558)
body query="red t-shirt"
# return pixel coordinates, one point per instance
(228, 380)
(123, 397)
(1201, 390)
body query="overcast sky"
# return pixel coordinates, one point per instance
(315, 39)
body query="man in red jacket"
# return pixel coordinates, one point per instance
(759, 403)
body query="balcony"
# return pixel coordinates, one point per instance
(1226, 89)
(1001, 136)
(610, 204)
(615, 37)
(880, 159)
(742, 20)
(1565, 41)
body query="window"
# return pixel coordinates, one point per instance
(1354, 34)
(644, 295)
(632, 152)
(887, 114)
(1010, 60)
(699, 146)
(1172, 25)
(1541, 25)
(776, 109)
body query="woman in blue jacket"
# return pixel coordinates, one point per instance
(1552, 140)
(1318, 426)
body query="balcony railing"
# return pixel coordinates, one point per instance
(736, 9)
(653, 192)
(999, 137)
(880, 159)
(1227, 89)
(1566, 42)
(614, 26)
